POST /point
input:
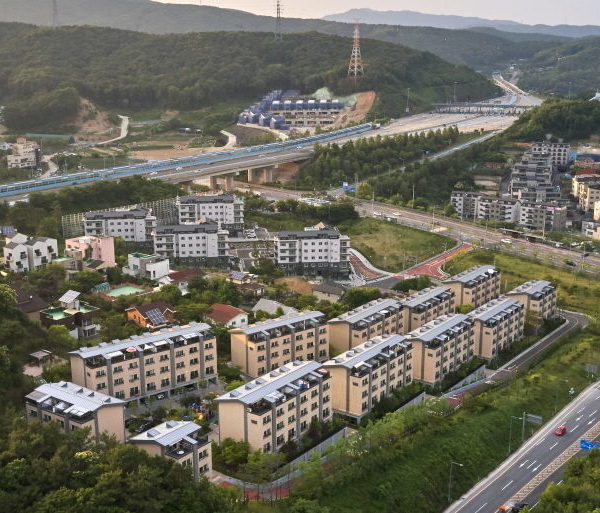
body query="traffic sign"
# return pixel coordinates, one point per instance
(586, 445)
(534, 419)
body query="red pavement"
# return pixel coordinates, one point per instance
(433, 267)
(362, 270)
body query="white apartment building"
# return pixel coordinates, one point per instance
(25, 155)
(203, 242)
(544, 217)
(23, 253)
(558, 152)
(313, 252)
(135, 225)
(152, 267)
(224, 209)
(475, 205)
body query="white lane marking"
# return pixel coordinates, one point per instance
(598, 397)
(538, 442)
(553, 446)
(593, 413)
(560, 482)
(536, 468)
(480, 508)
(531, 464)
(591, 421)
(581, 410)
(507, 485)
(575, 427)
(533, 507)
(523, 463)
(578, 418)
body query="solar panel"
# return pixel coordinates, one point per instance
(156, 317)
(69, 296)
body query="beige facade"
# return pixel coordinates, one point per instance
(589, 195)
(277, 407)
(539, 296)
(426, 305)
(152, 364)
(264, 346)
(475, 286)
(368, 373)
(441, 347)
(379, 317)
(76, 407)
(497, 325)
(180, 441)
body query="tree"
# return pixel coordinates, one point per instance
(60, 341)
(46, 281)
(306, 506)
(115, 326)
(358, 297)
(169, 293)
(84, 281)
(8, 298)
(233, 385)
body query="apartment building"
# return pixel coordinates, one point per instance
(538, 193)
(153, 364)
(465, 203)
(224, 209)
(76, 407)
(426, 305)
(25, 155)
(580, 181)
(368, 373)
(376, 318)
(151, 267)
(77, 316)
(589, 195)
(441, 347)
(475, 205)
(475, 286)
(532, 172)
(23, 253)
(558, 152)
(543, 217)
(276, 407)
(539, 296)
(497, 325)
(180, 441)
(193, 243)
(267, 345)
(313, 252)
(135, 225)
(98, 248)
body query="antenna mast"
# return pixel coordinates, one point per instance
(278, 32)
(355, 69)
(55, 13)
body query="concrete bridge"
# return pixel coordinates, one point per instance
(481, 108)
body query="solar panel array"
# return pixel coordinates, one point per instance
(156, 317)
(69, 296)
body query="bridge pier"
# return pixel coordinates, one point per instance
(213, 183)
(228, 186)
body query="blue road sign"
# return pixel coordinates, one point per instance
(586, 445)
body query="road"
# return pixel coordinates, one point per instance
(123, 133)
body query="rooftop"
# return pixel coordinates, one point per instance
(364, 311)
(473, 274)
(219, 198)
(169, 433)
(284, 320)
(224, 313)
(134, 213)
(437, 327)
(270, 306)
(144, 308)
(310, 234)
(424, 296)
(366, 351)
(532, 287)
(494, 307)
(188, 228)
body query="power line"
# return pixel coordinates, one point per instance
(355, 68)
(278, 30)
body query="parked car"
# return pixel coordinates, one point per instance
(571, 263)
(560, 430)
(130, 421)
(144, 426)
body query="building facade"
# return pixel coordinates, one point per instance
(204, 243)
(543, 217)
(25, 155)
(224, 209)
(379, 317)
(558, 152)
(153, 364)
(135, 225)
(151, 267)
(23, 253)
(76, 407)
(77, 316)
(277, 407)
(426, 305)
(267, 345)
(475, 286)
(539, 296)
(368, 373)
(96, 247)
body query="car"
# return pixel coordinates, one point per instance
(130, 421)
(397, 213)
(144, 426)
(161, 396)
(560, 430)
(179, 168)
(506, 241)
(519, 506)
(571, 263)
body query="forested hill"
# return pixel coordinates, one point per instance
(42, 68)
(576, 63)
(478, 50)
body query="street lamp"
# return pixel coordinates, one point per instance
(452, 463)
(510, 431)
(564, 380)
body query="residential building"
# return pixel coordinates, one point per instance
(426, 305)
(151, 267)
(95, 247)
(328, 291)
(441, 346)
(154, 364)
(25, 155)
(181, 279)
(264, 346)
(376, 318)
(591, 229)
(246, 283)
(465, 203)
(497, 325)
(229, 315)
(30, 304)
(543, 217)
(476, 205)
(23, 253)
(75, 315)
(368, 373)
(558, 151)
(276, 407)
(589, 195)
(180, 441)
(539, 296)
(578, 183)
(272, 307)
(475, 286)
(224, 209)
(533, 172)
(152, 316)
(134, 225)
(597, 211)
(313, 252)
(204, 243)
(76, 407)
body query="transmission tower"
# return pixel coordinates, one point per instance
(355, 69)
(278, 32)
(55, 13)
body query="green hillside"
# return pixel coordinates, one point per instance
(479, 50)
(577, 62)
(43, 67)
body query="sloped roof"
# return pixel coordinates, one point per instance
(224, 313)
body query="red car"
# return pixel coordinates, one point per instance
(560, 431)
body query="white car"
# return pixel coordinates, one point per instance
(506, 241)
(397, 213)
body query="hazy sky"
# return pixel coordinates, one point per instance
(551, 12)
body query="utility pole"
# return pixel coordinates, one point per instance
(278, 32)
(454, 93)
(355, 68)
(407, 110)
(55, 13)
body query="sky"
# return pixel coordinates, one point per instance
(550, 12)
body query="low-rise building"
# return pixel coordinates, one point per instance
(376, 318)
(229, 315)
(328, 291)
(277, 407)
(498, 324)
(23, 253)
(368, 373)
(224, 209)
(272, 307)
(441, 346)
(263, 346)
(76, 407)
(29, 303)
(151, 267)
(96, 247)
(134, 225)
(475, 286)
(75, 315)
(196, 243)
(539, 296)
(181, 279)
(153, 364)
(180, 441)
(25, 155)
(152, 316)
(428, 304)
